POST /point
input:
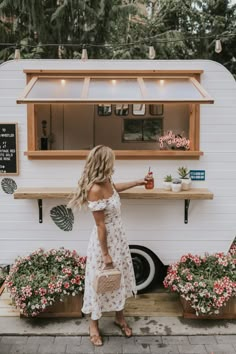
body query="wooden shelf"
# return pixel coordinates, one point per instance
(120, 154)
(134, 193)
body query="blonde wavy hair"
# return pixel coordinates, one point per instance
(98, 167)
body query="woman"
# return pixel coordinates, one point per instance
(108, 245)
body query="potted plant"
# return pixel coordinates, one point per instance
(184, 176)
(176, 185)
(207, 285)
(167, 182)
(44, 278)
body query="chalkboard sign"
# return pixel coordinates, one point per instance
(8, 149)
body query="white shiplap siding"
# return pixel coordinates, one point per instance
(158, 224)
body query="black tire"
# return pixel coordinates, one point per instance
(148, 268)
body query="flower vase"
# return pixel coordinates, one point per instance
(225, 312)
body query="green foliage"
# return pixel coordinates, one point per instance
(168, 178)
(182, 29)
(207, 283)
(43, 277)
(183, 172)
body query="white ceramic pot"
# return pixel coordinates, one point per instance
(186, 184)
(176, 187)
(167, 186)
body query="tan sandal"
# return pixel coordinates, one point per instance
(124, 329)
(96, 340)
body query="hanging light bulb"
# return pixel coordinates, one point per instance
(151, 52)
(218, 46)
(61, 51)
(69, 38)
(84, 55)
(35, 35)
(17, 53)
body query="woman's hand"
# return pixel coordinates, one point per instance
(141, 182)
(107, 261)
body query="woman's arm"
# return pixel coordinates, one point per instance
(102, 236)
(95, 194)
(120, 187)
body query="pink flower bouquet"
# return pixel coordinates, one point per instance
(41, 278)
(174, 141)
(207, 283)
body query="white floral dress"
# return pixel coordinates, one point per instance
(119, 250)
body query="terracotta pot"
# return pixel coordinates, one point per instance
(226, 312)
(70, 307)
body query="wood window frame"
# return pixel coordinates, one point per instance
(194, 118)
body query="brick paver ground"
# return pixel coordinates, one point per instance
(224, 344)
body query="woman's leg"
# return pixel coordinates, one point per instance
(121, 322)
(94, 333)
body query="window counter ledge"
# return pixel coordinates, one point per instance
(120, 154)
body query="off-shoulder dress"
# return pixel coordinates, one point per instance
(118, 247)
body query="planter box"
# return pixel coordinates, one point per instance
(2, 287)
(226, 312)
(70, 307)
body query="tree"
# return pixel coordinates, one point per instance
(120, 29)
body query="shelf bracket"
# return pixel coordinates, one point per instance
(40, 205)
(186, 207)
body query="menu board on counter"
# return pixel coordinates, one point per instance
(8, 149)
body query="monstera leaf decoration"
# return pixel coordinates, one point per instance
(63, 217)
(8, 185)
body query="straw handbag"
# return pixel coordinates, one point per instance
(107, 280)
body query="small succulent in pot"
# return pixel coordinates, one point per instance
(167, 182)
(176, 185)
(184, 174)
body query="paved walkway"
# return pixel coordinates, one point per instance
(225, 344)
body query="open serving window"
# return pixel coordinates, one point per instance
(144, 114)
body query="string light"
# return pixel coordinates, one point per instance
(61, 51)
(84, 55)
(151, 52)
(218, 46)
(17, 53)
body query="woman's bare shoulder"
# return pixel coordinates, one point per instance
(95, 192)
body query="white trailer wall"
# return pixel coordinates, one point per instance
(156, 224)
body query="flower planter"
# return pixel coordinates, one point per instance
(2, 287)
(70, 307)
(226, 312)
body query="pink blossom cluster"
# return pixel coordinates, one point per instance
(233, 249)
(207, 282)
(173, 140)
(38, 280)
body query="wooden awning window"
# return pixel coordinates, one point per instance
(113, 89)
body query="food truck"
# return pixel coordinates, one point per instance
(157, 114)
